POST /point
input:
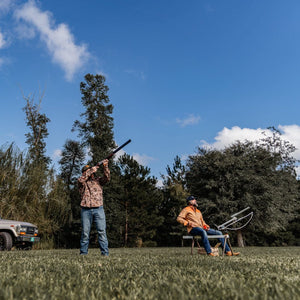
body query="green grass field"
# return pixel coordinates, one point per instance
(150, 273)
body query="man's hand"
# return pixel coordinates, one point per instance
(206, 227)
(105, 163)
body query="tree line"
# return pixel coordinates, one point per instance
(258, 174)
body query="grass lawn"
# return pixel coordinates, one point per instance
(150, 273)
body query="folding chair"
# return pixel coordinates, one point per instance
(196, 238)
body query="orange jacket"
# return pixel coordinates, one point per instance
(191, 214)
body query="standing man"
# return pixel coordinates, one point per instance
(191, 217)
(91, 191)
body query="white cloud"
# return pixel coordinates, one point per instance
(226, 137)
(2, 41)
(189, 120)
(58, 38)
(56, 154)
(142, 159)
(291, 133)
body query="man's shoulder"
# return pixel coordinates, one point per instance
(189, 208)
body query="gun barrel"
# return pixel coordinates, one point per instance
(115, 151)
(119, 148)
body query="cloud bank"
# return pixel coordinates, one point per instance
(58, 39)
(226, 137)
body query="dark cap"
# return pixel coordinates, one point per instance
(86, 167)
(190, 198)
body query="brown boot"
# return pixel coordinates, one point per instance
(211, 254)
(229, 253)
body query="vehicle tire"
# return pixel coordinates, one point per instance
(5, 241)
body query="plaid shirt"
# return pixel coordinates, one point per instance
(90, 189)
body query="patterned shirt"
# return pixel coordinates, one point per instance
(90, 189)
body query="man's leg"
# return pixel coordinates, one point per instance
(203, 234)
(222, 240)
(86, 222)
(99, 218)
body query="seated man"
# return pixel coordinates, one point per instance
(191, 217)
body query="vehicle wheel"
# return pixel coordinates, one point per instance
(5, 241)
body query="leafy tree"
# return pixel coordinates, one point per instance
(257, 174)
(11, 162)
(22, 199)
(174, 195)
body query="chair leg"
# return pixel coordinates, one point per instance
(230, 246)
(192, 248)
(225, 241)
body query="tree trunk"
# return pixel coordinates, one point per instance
(126, 225)
(240, 239)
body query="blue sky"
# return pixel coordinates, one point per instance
(181, 74)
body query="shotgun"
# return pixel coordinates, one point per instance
(114, 152)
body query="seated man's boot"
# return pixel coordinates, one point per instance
(211, 254)
(230, 253)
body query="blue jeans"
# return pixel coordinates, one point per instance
(203, 233)
(88, 215)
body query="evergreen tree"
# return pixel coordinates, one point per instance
(44, 196)
(71, 162)
(174, 200)
(35, 139)
(96, 130)
(141, 202)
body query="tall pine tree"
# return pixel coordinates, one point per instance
(96, 129)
